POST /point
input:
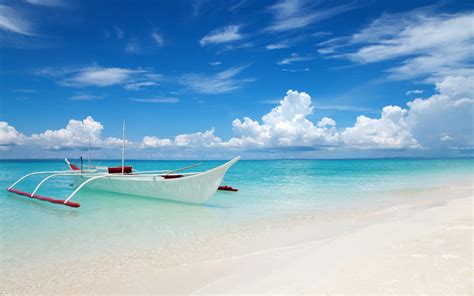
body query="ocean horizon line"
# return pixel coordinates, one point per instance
(242, 159)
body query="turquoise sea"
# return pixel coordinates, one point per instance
(32, 232)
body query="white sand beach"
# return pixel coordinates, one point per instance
(422, 246)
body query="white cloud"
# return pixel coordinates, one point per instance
(433, 45)
(230, 47)
(390, 131)
(101, 77)
(119, 33)
(441, 121)
(157, 38)
(155, 142)
(49, 3)
(199, 139)
(414, 92)
(296, 70)
(449, 112)
(445, 137)
(279, 45)
(221, 82)
(321, 34)
(76, 134)
(222, 35)
(157, 100)
(132, 46)
(216, 63)
(293, 59)
(140, 85)
(97, 76)
(326, 121)
(115, 142)
(286, 125)
(85, 97)
(9, 135)
(12, 21)
(296, 14)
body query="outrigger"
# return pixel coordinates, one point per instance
(195, 187)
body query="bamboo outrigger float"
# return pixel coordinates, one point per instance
(195, 187)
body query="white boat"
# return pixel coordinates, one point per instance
(185, 187)
(195, 187)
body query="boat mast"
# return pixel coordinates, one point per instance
(123, 146)
(89, 153)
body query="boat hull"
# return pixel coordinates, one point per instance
(197, 188)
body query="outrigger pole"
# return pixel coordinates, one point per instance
(66, 202)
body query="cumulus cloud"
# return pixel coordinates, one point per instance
(285, 125)
(198, 139)
(75, 135)
(441, 121)
(446, 118)
(222, 35)
(155, 142)
(9, 136)
(391, 130)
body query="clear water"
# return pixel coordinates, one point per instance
(32, 231)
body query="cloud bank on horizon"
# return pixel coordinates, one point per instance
(435, 122)
(425, 53)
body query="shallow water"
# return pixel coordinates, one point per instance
(33, 232)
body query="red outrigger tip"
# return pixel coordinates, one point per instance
(227, 188)
(44, 198)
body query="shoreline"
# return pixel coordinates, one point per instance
(415, 247)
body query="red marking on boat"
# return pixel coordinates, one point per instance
(44, 198)
(227, 188)
(73, 167)
(118, 170)
(172, 176)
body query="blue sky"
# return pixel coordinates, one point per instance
(368, 78)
